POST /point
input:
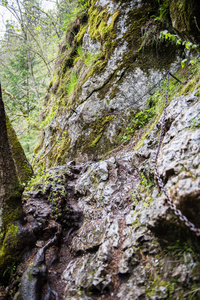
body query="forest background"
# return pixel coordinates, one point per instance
(28, 50)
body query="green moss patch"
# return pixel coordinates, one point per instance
(91, 143)
(75, 66)
(59, 152)
(8, 258)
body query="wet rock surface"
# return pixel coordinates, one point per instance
(118, 239)
(102, 229)
(121, 249)
(50, 216)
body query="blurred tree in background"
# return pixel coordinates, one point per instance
(28, 50)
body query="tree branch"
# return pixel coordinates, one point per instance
(14, 100)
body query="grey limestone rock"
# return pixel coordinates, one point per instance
(125, 233)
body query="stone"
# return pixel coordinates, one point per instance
(121, 238)
(124, 263)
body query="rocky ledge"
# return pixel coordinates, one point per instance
(103, 230)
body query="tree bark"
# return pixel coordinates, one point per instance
(10, 189)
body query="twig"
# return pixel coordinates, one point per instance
(191, 292)
(195, 20)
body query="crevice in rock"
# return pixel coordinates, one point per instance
(105, 83)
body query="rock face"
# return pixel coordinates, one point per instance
(107, 68)
(118, 238)
(131, 245)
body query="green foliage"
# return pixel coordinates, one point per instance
(28, 50)
(150, 34)
(69, 11)
(49, 117)
(164, 11)
(147, 182)
(140, 120)
(87, 57)
(70, 17)
(195, 123)
(156, 101)
(158, 284)
(165, 35)
(39, 178)
(4, 2)
(28, 141)
(8, 260)
(83, 3)
(179, 248)
(72, 84)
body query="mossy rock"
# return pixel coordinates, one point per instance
(8, 257)
(183, 14)
(102, 26)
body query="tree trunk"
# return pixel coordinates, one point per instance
(10, 189)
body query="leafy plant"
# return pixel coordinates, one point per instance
(71, 16)
(87, 57)
(150, 33)
(83, 3)
(139, 121)
(165, 35)
(179, 248)
(72, 84)
(164, 10)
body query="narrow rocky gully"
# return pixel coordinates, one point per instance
(94, 195)
(102, 230)
(96, 224)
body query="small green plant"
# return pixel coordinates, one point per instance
(40, 177)
(179, 248)
(147, 182)
(140, 120)
(150, 34)
(49, 117)
(87, 57)
(194, 290)
(165, 35)
(70, 17)
(76, 8)
(72, 84)
(195, 123)
(10, 270)
(83, 3)
(164, 11)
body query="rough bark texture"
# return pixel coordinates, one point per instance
(9, 184)
(10, 197)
